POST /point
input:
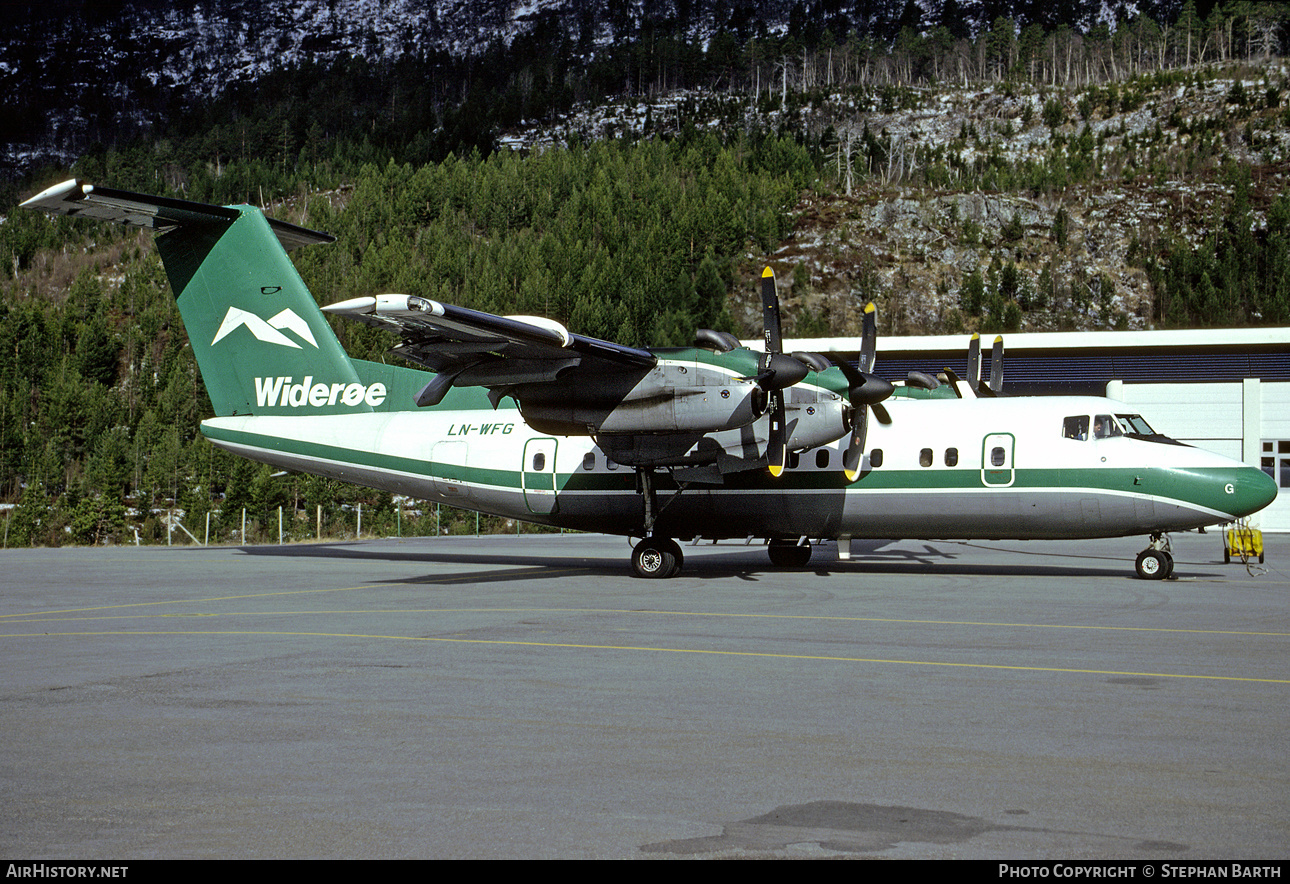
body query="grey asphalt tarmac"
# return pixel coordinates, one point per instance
(527, 697)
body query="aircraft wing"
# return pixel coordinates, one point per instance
(470, 348)
(157, 213)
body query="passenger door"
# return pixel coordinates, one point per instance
(537, 476)
(996, 460)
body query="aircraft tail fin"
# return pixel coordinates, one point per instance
(261, 342)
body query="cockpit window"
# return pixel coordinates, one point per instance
(1104, 427)
(1075, 427)
(1133, 423)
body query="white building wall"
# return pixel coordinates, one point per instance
(1209, 416)
(1275, 425)
(1232, 419)
(1276, 409)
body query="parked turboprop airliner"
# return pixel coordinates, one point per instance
(519, 417)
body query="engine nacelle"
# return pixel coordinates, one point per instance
(672, 397)
(820, 421)
(688, 410)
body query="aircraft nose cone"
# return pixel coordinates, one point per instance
(1254, 489)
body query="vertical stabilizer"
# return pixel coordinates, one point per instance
(261, 342)
(259, 337)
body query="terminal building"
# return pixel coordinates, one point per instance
(1227, 390)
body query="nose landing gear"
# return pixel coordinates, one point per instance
(1155, 562)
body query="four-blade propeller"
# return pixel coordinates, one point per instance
(778, 371)
(995, 385)
(865, 392)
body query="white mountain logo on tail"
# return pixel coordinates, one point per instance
(267, 331)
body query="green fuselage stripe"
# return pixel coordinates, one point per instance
(1188, 487)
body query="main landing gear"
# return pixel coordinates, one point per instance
(655, 556)
(1155, 562)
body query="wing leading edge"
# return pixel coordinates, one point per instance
(469, 348)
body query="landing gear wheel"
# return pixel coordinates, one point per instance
(1154, 564)
(675, 549)
(787, 554)
(657, 557)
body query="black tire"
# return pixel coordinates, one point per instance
(1169, 565)
(787, 554)
(656, 557)
(1152, 564)
(675, 549)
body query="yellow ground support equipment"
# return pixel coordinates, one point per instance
(1242, 542)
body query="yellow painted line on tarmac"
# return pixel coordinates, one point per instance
(633, 648)
(990, 623)
(31, 618)
(226, 598)
(473, 576)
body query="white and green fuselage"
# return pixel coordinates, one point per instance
(465, 453)
(286, 393)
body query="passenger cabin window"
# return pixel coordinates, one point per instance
(951, 457)
(793, 460)
(589, 460)
(822, 458)
(925, 457)
(997, 456)
(1075, 427)
(875, 458)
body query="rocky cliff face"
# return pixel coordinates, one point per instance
(1055, 197)
(1058, 216)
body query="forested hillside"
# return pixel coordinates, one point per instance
(1027, 173)
(100, 396)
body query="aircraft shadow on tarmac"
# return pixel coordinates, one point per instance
(706, 562)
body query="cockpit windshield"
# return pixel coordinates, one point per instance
(1103, 426)
(1134, 423)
